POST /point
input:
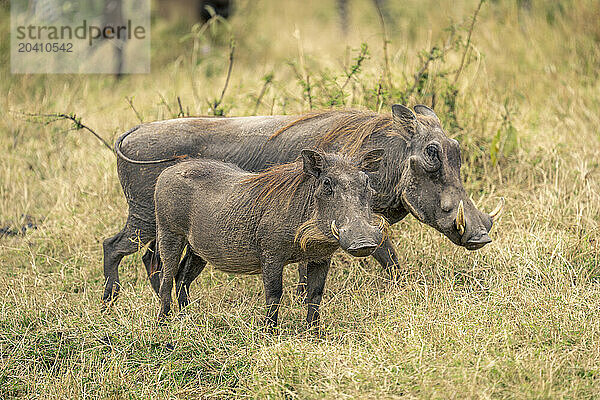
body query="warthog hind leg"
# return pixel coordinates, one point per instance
(170, 247)
(189, 268)
(128, 241)
(301, 288)
(151, 259)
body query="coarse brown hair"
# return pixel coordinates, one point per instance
(354, 127)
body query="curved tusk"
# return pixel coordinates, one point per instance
(498, 210)
(381, 222)
(334, 230)
(460, 218)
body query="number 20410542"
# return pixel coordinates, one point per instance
(25, 47)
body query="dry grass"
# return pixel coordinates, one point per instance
(519, 318)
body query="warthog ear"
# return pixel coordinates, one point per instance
(424, 110)
(371, 160)
(405, 117)
(313, 162)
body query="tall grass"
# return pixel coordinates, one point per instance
(519, 318)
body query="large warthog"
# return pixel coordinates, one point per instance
(257, 223)
(420, 172)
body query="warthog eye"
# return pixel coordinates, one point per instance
(432, 152)
(432, 157)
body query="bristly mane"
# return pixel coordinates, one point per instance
(354, 127)
(304, 117)
(279, 182)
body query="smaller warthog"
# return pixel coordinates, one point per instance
(248, 223)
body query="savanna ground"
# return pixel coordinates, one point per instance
(519, 318)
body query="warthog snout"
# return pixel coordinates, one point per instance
(478, 240)
(362, 248)
(361, 240)
(473, 230)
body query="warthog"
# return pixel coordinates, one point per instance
(257, 223)
(420, 172)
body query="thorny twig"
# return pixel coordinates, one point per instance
(77, 124)
(181, 113)
(379, 97)
(164, 101)
(267, 81)
(308, 94)
(434, 53)
(137, 114)
(362, 55)
(462, 62)
(215, 104)
(304, 83)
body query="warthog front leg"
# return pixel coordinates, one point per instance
(316, 277)
(385, 254)
(272, 272)
(170, 247)
(190, 267)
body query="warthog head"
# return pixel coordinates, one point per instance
(342, 199)
(431, 187)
